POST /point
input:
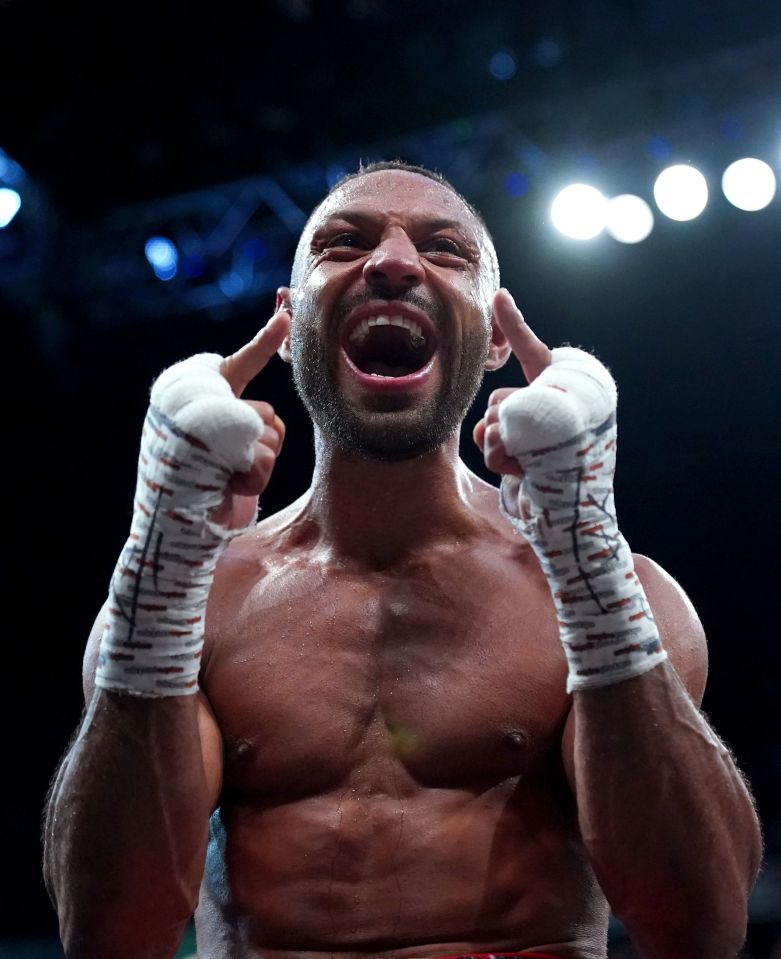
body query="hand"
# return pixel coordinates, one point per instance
(240, 503)
(533, 356)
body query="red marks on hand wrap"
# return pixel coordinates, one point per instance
(620, 603)
(600, 554)
(158, 487)
(178, 517)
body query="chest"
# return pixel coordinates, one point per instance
(449, 673)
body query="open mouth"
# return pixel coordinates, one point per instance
(390, 346)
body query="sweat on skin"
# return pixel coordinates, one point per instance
(401, 773)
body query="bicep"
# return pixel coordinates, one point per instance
(209, 731)
(682, 636)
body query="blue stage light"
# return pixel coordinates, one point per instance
(502, 65)
(255, 249)
(334, 174)
(231, 284)
(10, 204)
(162, 257)
(516, 184)
(548, 52)
(193, 266)
(11, 174)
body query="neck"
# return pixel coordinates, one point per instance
(374, 512)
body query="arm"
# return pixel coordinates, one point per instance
(127, 820)
(665, 816)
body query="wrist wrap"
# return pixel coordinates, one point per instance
(562, 431)
(196, 435)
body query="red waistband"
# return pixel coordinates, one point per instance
(503, 955)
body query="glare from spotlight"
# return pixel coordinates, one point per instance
(681, 192)
(162, 257)
(629, 218)
(749, 184)
(579, 211)
(10, 204)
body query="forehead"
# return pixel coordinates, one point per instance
(398, 194)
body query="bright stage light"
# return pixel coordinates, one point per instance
(162, 257)
(681, 192)
(579, 211)
(749, 184)
(629, 218)
(10, 204)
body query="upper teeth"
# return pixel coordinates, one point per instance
(361, 330)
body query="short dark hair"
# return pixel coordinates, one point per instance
(398, 164)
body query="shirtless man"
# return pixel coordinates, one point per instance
(413, 732)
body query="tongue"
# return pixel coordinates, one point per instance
(379, 368)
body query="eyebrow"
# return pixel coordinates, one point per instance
(365, 219)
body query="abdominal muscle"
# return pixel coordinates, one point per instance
(423, 872)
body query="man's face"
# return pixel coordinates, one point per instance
(391, 315)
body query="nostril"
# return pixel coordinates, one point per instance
(376, 275)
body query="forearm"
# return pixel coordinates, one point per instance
(665, 816)
(127, 824)
(126, 828)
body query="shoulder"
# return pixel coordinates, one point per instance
(679, 625)
(251, 553)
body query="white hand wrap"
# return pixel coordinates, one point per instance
(562, 431)
(196, 435)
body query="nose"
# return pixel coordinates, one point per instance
(394, 263)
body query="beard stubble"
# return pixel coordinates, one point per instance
(391, 430)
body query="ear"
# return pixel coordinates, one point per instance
(499, 349)
(285, 302)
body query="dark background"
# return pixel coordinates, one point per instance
(221, 129)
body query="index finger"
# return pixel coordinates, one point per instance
(245, 364)
(531, 352)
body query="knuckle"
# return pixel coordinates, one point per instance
(264, 455)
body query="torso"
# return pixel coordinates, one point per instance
(392, 756)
